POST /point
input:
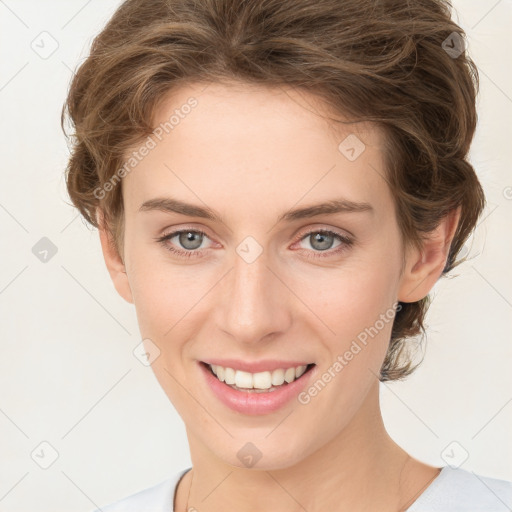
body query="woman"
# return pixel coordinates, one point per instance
(278, 185)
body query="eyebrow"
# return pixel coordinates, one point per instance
(171, 205)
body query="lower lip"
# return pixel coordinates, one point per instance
(254, 403)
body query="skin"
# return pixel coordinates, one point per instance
(250, 154)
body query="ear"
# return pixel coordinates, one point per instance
(114, 262)
(424, 267)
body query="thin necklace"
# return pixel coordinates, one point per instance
(412, 500)
(190, 487)
(399, 485)
(402, 509)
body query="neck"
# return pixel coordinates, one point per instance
(361, 469)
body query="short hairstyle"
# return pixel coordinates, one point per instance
(398, 64)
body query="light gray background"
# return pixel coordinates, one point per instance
(68, 376)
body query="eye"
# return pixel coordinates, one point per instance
(189, 239)
(322, 241)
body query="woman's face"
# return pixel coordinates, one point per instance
(263, 288)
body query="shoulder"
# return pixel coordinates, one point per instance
(158, 498)
(459, 490)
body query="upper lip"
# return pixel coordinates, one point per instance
(256, 366)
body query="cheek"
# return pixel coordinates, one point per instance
(160, 293)
(169, 309)
(162, 297)
(356, 301)
(159, 288)
(359, 309)
(352, 297)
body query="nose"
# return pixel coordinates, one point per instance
(253, 303)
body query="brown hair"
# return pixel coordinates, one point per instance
(395, 63)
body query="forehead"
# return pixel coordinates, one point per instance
(277, 110)
(255, 147)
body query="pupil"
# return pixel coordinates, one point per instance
(322, 237)
(188, 242)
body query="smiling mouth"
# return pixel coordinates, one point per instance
(261, 382)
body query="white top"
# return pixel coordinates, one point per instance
(453, 490)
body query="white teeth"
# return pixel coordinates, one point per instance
(289, 375)
(229, 375)
(277, 377)
(261, 380)
(299, 371)
(243, 379)
(219, 370)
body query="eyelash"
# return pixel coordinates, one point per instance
(346, 242)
